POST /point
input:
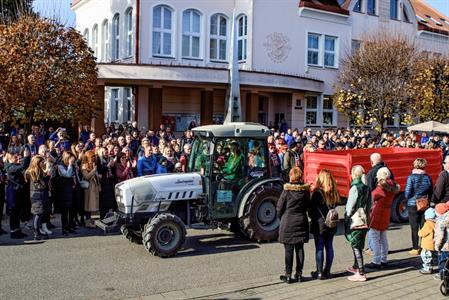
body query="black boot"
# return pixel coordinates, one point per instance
(18, 234)
(286, 278)
(298, 277)
(317, 275)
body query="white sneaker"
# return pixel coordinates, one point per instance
(46, 230)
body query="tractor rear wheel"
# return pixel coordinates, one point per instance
(164, 235)
(259, 221)
(399, 212)
(130, 235)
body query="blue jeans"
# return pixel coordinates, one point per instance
(444, 255)
(324, 242)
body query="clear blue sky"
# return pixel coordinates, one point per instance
(60, 9)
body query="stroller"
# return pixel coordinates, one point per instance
(444, 287)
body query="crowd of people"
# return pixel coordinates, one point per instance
(367, 215)
(46, 171)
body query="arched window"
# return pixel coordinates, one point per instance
(86, 35)
(162, 31)
(218, 37)
(129, 32)
(95, 40)
(105, 41)
(116, 37)
(242, 37)
(191, 33)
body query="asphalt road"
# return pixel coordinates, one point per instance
(91, 265)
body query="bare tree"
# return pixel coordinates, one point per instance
(375, 82)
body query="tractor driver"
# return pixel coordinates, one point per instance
(233, 167)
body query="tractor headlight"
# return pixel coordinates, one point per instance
(143, 194)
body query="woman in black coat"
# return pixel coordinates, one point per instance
(106, 173)
(294, 228)
(65, 185)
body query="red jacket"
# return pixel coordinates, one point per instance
(382, 196)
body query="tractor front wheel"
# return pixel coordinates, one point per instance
(259, 221)
(164, 235)
(130, 235)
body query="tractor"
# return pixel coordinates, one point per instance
(229, 186)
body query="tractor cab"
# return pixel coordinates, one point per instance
(231, 158)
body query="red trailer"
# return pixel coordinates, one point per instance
(398, 160)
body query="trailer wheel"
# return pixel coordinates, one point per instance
(164, 235)
(399, 212)
(259, 221)
(130, 235)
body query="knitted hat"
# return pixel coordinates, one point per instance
(441, 208)
(429, 214)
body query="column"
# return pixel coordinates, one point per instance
(155, 111)
(252, 107)
(207, 107)
(97, 123)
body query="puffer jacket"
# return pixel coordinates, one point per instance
(292, 210)
(382, 197)
(418, 185)
(441, 234)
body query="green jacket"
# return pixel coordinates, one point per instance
(233, 168)
(359, 196)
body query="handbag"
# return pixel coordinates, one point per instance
(84, 184)
(422, 204)
(359, 220)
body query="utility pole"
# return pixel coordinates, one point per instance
(233, 102)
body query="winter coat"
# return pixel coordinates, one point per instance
(418, 185)
(64, 185)
(91, 194)
(292, 159)
(441, 233)
(382, 197)
(371, 177)
(146, 165)
(39, 199)
(318, 210)
(292, 210)
(359, 196)
(441, 190)
(426, 233)
(161, 169)
(122, 173)
(107, 183)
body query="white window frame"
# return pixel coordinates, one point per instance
(115, 49)
(361, 6)
(105, 43)
(375, 8)
(313, 49)
(405, 13)
(95, 40)
(242, 37)
(218, 37)
(398, 8)
(314, 110)
(162, 31)
(322, 51)
(129, 32)
(128, 97)
(327, 110)
(190, 34)
(86, 36)
(115, 105)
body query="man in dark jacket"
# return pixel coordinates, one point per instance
(441, 190)
(376, 163)
(292, 158)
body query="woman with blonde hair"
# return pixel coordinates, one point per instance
(357, 206)
(294, 227)
(324, 198)
(92, 193)
(37, 175)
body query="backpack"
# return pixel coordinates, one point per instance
(331, 219)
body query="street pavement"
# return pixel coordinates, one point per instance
(213, 265)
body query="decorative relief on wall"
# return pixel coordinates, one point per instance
(277, 46)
